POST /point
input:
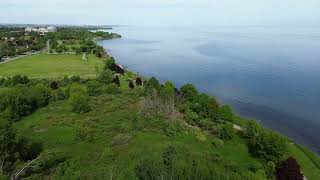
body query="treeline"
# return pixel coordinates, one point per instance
(77, 40)
(15, 41)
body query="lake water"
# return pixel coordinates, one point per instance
(268, 73)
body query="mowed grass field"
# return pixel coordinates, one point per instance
(44, 65)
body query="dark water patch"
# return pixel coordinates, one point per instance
(301, 130)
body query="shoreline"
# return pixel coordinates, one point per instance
(284, 123)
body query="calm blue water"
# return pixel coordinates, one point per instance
(267, 73)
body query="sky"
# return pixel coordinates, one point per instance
(163, 12)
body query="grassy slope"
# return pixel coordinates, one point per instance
(43, 65)
(55, 126)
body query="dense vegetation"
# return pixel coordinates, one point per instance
(15, 41)
(118, 125)
(71, 40)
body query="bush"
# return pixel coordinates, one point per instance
(75, 79)
(189, 92)
(79, 99)
(105, 76)
(54, 85)
(227, 132)
(289, 169)
(217, 143)
(116, 81)
(152, 85)
(138, 81)
(18, 79)
(94, 88)
(42, 95)
(252, 129)
(111, 89)
(131, 85)
(268, 146)
(225, 113)
(121, 139)
(57, 95)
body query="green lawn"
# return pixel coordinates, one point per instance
(43, 65)
(309, 168)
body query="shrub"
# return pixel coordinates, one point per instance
(225, 113)
(57, 95)
(268, 146)
(138, 81)
(173, 129)
(217, 143)
(152, 85)
(227, 132)
(121, 139)
(75, 79)
(116, 81)
(204, 105)
(18, 79)
(54, 85)
(79, 99)
(42, 95)
(94, 88)
(289, 169)
(131, 85)
(189, 92)
(252, 129)
(111, 89)
(168, 156)
(105, 76)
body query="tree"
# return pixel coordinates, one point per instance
(189, 92)
(7, 144)
(79, 99)
(270, 170)
(289, 169)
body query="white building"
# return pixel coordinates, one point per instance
(41, 31)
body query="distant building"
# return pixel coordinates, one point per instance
(41, 31)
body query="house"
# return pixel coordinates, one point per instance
(41, 31)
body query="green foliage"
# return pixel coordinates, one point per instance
(152, 85)
(7, 143)
(168, 156)
(94, 88)
(189, 92)
(111, 89)
(252, 129)
(121, 139)
(217, 143)
(270, 170)
(105, 76)
(18, 79)
(204, 105)
(227, 132)
(173, 129)
(79, 99)
(268, 146)
(167, 91)
(225, 113)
